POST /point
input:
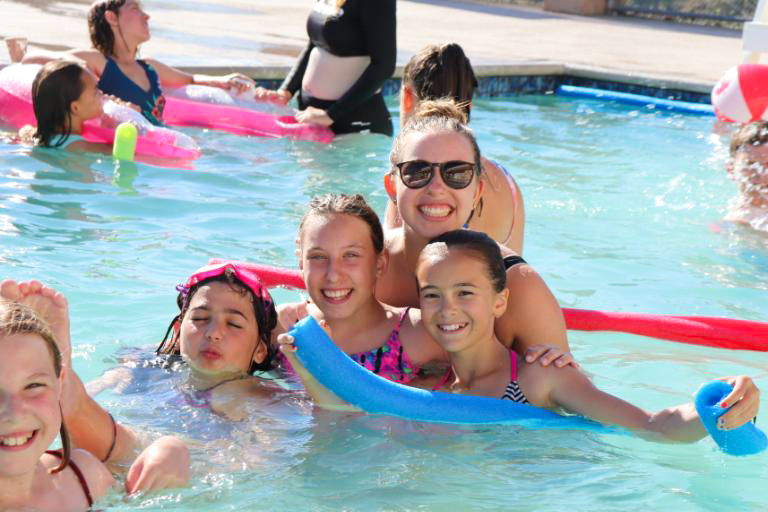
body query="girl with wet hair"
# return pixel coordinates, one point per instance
(341, 256)
(117, 28)
(444, 72)
(30, 418)
(64, 96)
(748, 166)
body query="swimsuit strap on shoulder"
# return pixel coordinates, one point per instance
(78, 474)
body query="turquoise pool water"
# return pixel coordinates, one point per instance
(623, 213)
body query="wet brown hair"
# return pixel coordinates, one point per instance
(343, 204)
(102, 36)
(478, 245)
(15, 319)
(752, 134)
(435, 116)
(442, 71)
(55, 87)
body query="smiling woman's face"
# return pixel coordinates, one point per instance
(436, 208)
(219, 332)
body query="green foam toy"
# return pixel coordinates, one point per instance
(124, 147)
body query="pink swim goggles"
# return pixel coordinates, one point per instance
(248, 277)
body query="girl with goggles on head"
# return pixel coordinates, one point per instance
(435, 187)
(444, 71)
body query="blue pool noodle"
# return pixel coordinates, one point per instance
(745, 440)
(355, 385)
(686, 107)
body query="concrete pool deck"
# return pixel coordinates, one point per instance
(262, 38)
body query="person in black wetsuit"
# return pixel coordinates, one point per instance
(117, 28)
(339, 74)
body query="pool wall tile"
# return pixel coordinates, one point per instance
(515, 85)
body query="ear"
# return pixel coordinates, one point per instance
(479, 191)
(298, 253)
(111, 18)
(382, 262)
(500, 303)
(74, 108)
(260, 353)
(407, 100)
(389, 186)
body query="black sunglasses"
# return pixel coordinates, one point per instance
(418, 173)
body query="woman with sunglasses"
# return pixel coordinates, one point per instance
(444, 71)
(436, 187)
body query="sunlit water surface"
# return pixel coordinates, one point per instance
(623, 213)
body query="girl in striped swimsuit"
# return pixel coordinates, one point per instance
(461, 279)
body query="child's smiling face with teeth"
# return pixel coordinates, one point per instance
(30, 417)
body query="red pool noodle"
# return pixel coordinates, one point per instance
(697, 330)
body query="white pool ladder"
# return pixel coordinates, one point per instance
(754, 37)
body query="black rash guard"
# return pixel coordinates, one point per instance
(359, 28)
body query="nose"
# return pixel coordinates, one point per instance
(213, 330)
(332, 270)
(9, 407)
(436, 183)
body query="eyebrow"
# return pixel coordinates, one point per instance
(38, 375)
(455, 285)
(231, 311)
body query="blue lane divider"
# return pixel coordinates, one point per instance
(745, 440)
(686, 107)
(354, 384)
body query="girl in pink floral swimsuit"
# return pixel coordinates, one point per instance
(341, 246)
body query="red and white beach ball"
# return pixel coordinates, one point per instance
(741, 95)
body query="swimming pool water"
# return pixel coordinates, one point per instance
(623, 213)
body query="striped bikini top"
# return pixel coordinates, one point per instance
(511, 392)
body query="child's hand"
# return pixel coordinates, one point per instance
(237, 81)
(289, 314)
(281, 96)
(286, 344)
(162, 465)
(546, 354)
(745, 399)
(314, 115)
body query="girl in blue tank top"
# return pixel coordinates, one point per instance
(117, 28)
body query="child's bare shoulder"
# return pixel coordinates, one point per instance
(94, 471)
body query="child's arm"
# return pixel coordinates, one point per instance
(161, 465)
(572, 390)
(172, 77)
(92, 59)
(319, 393)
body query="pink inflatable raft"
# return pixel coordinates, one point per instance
(16, 111)
(697, 330)
(211, 107)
